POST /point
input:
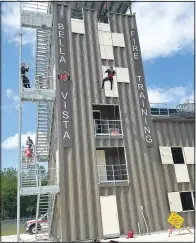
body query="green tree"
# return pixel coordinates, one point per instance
(8, 179)
(8, 197)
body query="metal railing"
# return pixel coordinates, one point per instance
(41, 82)
(44, 82)
(45, 210)
(109, 128)
(159, 109)
(183, 110)
(35, 176)
(112, 173)
(49, 178)
(36, 15)
(37, 7)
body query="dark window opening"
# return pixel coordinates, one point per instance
(77, 14)
(103, 18)
(115, 165)
(97, 119)
(177, 155)
(187, 202)
(108, 112)
(107, 120)
(96, 115)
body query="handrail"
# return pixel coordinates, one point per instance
(38, 7)
(162, 111)
(51, 214)
(42, 81)
(112, 173)
(108, 127)
(37, 176)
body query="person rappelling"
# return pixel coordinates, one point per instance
(111, 74)
(105, 14)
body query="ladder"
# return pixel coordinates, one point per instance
(44, 120)
(29, 173)
(44, 215)
(32, 179)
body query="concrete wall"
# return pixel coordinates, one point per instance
(56, 223)
(150, 180)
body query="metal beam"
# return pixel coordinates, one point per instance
(19, 132)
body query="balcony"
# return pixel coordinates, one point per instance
(112, 167)
(185, 110)
(108, 128)
(36, 15)
(36, 180)
(42, 91)
(112, 175)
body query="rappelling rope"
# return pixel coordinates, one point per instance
(107, 60)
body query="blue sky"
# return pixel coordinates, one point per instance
(166, 36)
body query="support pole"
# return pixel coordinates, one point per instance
(37, 212)
(19, 131)
(144, 220)
(139, 228)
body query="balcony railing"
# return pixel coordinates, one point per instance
(41, 82)
(159, 109)
(112, 173)
(108, 128)
(37, 177)
(37, 7)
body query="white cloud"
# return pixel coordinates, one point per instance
(11, 94)
(165, 28)
(11, 25)
(12, 142)
(170, 96)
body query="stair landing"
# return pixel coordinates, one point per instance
(36, 190)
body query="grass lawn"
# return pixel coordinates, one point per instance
(9, 228)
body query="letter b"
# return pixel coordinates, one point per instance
(60, 26)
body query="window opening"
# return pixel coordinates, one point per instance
(177, 155)
(107, 120)
(97, 119)
(187, 202)
(116, 167)
(77, 14)
(104, 18)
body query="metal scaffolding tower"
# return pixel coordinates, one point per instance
(31, 181)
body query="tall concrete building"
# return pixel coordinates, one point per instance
(121, 163)
(115, 156)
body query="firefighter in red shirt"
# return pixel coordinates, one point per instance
(29, 154)
(110, 76)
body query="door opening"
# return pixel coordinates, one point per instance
(109, 213)
(97, 120)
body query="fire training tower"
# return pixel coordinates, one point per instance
(31, 181)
